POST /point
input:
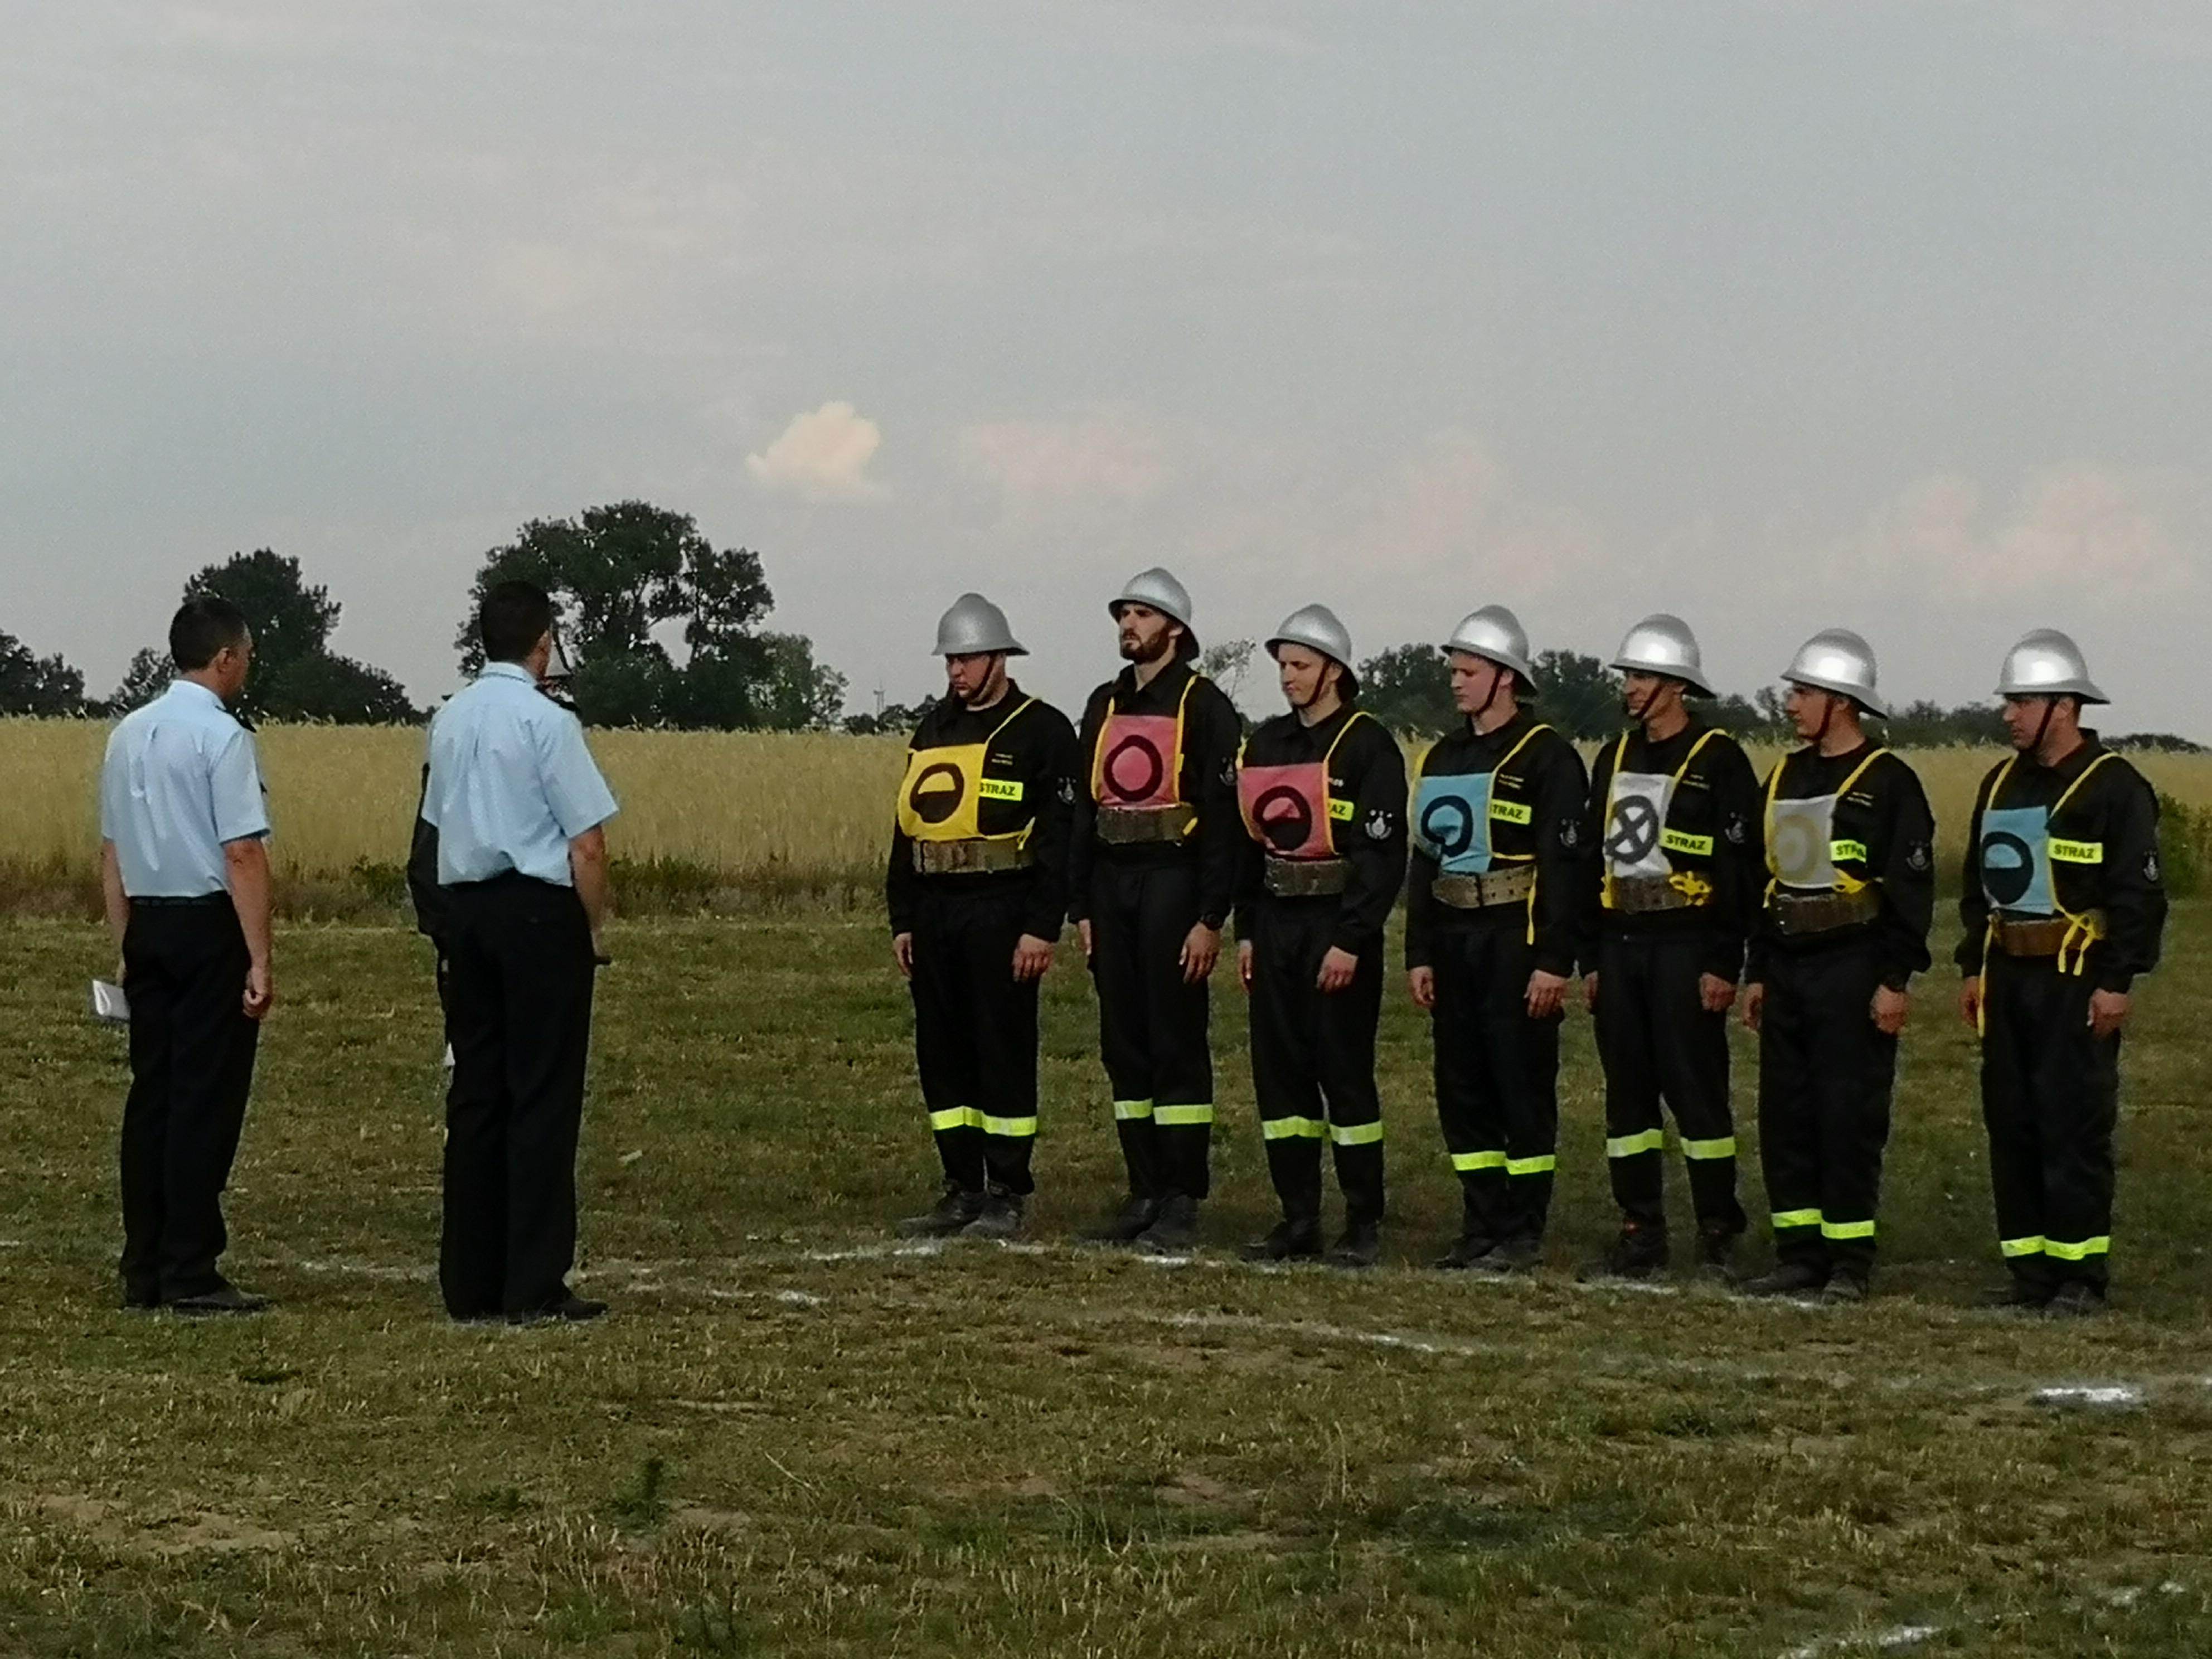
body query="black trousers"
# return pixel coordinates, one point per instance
(1152, 1025)
(191, 1067)
(1825, 1075)
(518, 1013)
(975, 1033)
(2050, 1100)
(1498, 1076)
(1313, 1060)
(1656, 1042)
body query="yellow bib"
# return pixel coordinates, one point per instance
(943, 794)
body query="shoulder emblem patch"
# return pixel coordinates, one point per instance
(1378, 825)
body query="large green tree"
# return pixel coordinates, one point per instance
(1408, 688)
(32, 685)
(620, 575)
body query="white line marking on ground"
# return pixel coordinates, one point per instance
(2108, 1397)
(1888, 1641)
(799, 1298)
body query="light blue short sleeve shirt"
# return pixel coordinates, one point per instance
(510, 781)
(181, 779)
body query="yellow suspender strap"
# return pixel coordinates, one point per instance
(1357, 715)
(1011, 719)
(2081, 930)
(1527, 738)
(1683, 771)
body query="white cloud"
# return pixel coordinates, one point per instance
(1047, 463)
(823, 456)
(1451, 509)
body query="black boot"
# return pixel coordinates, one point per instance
(1361, 1246)
(1471, 1249)
(1001, 1217)
(1846, 1286)
(1640, 1252)
(955, 1208)
(1290, 1240)
(1787, 1279)
(1125, 1225)
(2021, 1294)
(1174, 1231)
(2074, 1300)
(1513, 1256)
(1716, 1254)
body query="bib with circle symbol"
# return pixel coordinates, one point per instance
(945, 795)
(1451, 822)
(1139, 762)
(1803, 851)
(2017, 860)
(1635, 824)
(1288, 809)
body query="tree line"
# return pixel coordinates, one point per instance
(628, 579)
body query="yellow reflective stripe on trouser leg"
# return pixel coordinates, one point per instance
(1781, 1219)
(1724, 1147)
(1125, 1110)
(1356, 1135)
(957, 1117)
(1014, 1128)
(1530, 1166)
(1649, 1141)
(1292, 1128)
(2082, 1252)
(1847, 1229)
(2013, 1247)
(1179, 1117)
(1464, 1163)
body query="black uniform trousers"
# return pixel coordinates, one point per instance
(518, 1013)
(1313, 1060)
(1497, 1075)
(2050, 1100)
(191, 1067)
(1825, 1075)
(1152, 1025)
(1656, 1042)
(975, 1031)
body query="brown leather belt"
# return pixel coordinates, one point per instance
(1796, 914)
(970, 858)
(2039, 936)
(1487, 891)
(1636, 894)
(1137, 826)
(1307, 878)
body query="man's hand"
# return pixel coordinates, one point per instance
(1754, 1005)
(1083, 937)
(903, 954)
(1422, 983)
(1245, 965)
(1201, 949)
(1589, 992)
(260, 991)
(1970, 1000)
(1889, 1009)
(1032, 955)
(601, 957)
(2108, 1011)
(1337, 969)
(1547, 994)
(1716, 996)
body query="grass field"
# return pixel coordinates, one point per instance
(710, 821)
(793, 1437)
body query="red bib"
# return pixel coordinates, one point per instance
(1139, 762)
(1286, 808)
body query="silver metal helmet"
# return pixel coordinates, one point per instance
(973, 626)
(1315, 628)
(1836, 659)
(1158, 590)
(2046, 663)
(1494, 634)
(1664, 645)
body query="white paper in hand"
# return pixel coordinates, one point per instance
(109, 1004)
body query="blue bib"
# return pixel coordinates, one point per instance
(2017, 860)
(1451, 823)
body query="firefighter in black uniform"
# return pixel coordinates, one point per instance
(977, 893)
(1322, 793)
(2063, 908)
(1152, 873)
(1848, 845)
(1491, 933)
(1670, 815)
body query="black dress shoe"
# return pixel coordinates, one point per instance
(223, 1299)
(570, 1309)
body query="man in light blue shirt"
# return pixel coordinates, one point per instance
(517, 804)
(185, 874)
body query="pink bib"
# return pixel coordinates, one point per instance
(1287, 809)
(1140, 762)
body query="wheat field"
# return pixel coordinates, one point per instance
(779, 808)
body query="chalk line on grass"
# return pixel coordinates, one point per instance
(2098, 1397)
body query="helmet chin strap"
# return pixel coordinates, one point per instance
(1496, 684)
(2043, 725)
(1827, 718)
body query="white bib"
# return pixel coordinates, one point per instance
(1635, 819)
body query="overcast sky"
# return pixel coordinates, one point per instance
(1781, 315)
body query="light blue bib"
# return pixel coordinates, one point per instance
(2017, 860)
(1451, 822)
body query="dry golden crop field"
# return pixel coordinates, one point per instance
(780, 808)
